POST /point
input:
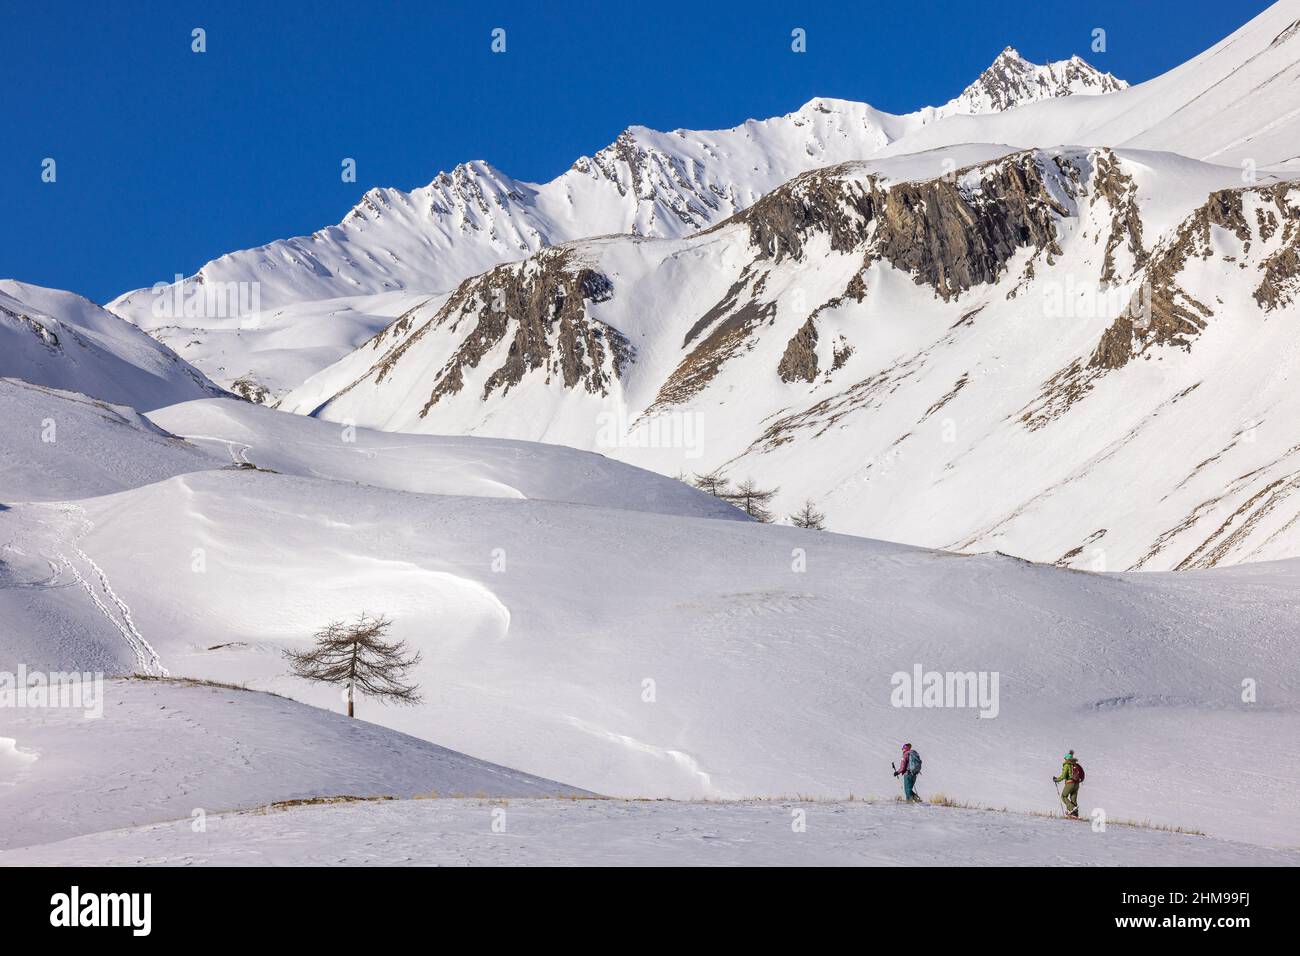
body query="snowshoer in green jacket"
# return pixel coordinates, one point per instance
(1071, 775)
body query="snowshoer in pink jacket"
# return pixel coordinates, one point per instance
(908, 768)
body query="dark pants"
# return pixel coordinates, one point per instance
(909, 782)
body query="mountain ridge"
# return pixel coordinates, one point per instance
(475, 216)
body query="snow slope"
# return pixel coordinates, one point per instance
(59, 446)
(164, 750)
(60, 340)
(619, 833)
(291, 444)
(768, 651)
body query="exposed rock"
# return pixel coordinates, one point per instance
(49, 339)
(250, 389)
(1119, 189)
(539, 306)
(840, 353)
(799, 363)
(948, 236)
(1170, 315)
(1012, 80)
(702, 364)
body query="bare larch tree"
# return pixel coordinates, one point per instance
(713, 483)
(752, 500)
(809, 517)
(357, 656)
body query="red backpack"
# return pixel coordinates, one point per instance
(1076, 775)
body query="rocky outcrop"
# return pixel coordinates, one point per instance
(47, 338)
(947, 234)
(1013, 81)
(1162, 312)
(1120, 191)
(537, 312)
(799, 362)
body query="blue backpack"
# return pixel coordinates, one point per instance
(913, 762)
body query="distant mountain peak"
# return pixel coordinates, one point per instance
(1011, 80)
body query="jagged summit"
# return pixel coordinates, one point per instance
(646, 182)
(1011, 80)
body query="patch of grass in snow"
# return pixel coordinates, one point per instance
(943, 800)
(315, 801)
(1135, 824)
(197, 682)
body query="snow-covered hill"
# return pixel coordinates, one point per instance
(61, 340)
(317, 293)
(884, 337)
(643, 654)
(622, 833)
(248, 434)
(59, 446)
(182, 753)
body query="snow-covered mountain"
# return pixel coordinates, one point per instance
(884, 342)
(61, 340)
(1013, 81)
(882, 336)
(1054, 318)
(1235, 104)
(260, 320)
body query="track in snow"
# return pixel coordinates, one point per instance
(145, 655)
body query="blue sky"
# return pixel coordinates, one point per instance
(167, 158)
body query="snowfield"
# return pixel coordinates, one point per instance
(320, 296)
(638, 833)
(59, 446)
(168, 750)
(640, 654)
(429, 464)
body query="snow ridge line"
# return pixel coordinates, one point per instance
(145, 655)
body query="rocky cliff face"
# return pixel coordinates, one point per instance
(1256, 229)
(874, 334)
